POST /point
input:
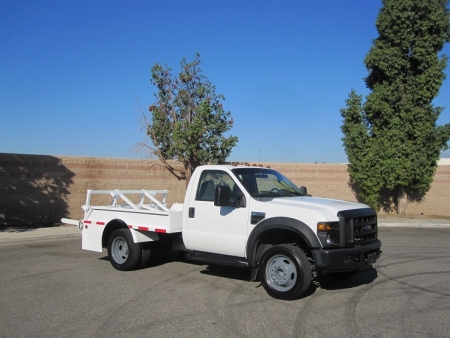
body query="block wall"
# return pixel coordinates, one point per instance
(38, 189)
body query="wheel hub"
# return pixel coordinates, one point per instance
(281, 273)
(119, 250)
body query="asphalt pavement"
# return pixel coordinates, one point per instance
(53, 288)
(28, 234)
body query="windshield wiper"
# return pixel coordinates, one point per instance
(294, 193)
(270, 192)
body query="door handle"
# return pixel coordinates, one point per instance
(191, 212)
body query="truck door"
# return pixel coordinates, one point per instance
(214, 229)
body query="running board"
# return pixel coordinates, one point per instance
(212, 258)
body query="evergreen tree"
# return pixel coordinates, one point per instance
(392, 140)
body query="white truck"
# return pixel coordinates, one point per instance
(237, 215)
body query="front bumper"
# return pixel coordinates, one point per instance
(346, 259)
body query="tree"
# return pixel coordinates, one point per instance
(188, 121)
(392, 140)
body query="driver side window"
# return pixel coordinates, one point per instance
(208, 182)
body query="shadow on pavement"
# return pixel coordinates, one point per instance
(365, 276)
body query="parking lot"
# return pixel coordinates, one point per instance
(53, 288)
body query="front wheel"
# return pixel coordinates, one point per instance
(123, 253)
(285, 272)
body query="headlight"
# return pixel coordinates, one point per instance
(328, 233)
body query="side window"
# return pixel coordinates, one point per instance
(209, 180)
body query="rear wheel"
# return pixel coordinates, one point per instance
(123, 253)
(145, 254)
(285, 272)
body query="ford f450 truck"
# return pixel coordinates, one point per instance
(241, 216)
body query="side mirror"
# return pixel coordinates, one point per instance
(223, 197)
(304, 190)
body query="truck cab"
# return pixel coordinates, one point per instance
(240, 215)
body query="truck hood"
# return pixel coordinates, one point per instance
(325, 207)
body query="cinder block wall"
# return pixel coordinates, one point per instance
(332, 181)
(36, 189)
(122, 174)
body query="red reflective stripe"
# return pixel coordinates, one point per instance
(100, 223)
(163, 231)
(87, 222)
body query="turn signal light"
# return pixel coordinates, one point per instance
(328, 226)
(323, 226)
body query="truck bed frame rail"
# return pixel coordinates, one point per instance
(154, 204)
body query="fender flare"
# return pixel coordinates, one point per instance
(287, 223)
(137, 235)
(110, 227)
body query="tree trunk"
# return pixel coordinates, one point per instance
(188, 176)
(402, 201)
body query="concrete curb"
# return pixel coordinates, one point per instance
(414, 225)
(37, 238)
(30, 235)
(413, 222)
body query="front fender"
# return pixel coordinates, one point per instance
(291, 224)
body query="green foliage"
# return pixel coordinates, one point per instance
(188, 121)
(392, 140)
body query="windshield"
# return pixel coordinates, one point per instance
(261, 182)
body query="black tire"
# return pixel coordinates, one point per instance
(285, 272)
(145, 254)
(123, 253)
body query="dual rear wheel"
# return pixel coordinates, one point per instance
(124, 254)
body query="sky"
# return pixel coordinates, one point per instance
(73, 74)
